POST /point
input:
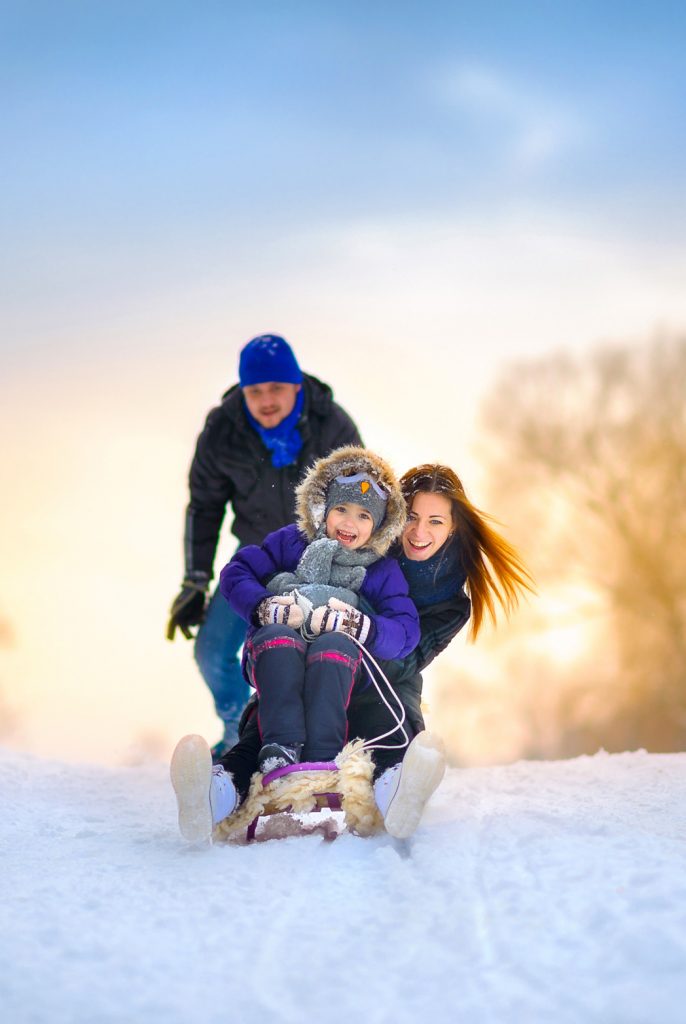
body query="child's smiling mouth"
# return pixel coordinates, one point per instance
(344, 537)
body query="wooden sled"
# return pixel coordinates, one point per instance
(287, 794)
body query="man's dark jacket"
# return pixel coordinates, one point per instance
(232, 466)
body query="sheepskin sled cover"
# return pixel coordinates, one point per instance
(297, 793)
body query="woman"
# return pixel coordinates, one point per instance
(447, 545)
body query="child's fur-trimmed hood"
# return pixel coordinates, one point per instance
(310, 494)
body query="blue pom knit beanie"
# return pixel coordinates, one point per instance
(268, 357)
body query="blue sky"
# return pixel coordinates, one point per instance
(413, 194)
(147, 144)
(208, 116)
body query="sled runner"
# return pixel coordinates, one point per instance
(288, 793)
(346, 783)
(322, 801)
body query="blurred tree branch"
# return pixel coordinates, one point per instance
(588, 456)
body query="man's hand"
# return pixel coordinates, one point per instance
(282, 611)
(188, 608)
(337, 616)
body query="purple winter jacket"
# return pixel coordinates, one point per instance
(395, 620)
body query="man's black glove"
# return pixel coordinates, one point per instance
(189, 607)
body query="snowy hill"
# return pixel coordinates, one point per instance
(536, 892)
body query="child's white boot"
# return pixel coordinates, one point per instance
(401, 792)
(205, 794)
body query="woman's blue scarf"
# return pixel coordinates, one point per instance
(284, 440)
(437, 579)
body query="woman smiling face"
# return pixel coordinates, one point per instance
(429, 524)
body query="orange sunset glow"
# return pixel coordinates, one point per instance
(455, 231)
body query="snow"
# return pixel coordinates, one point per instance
(533, 892)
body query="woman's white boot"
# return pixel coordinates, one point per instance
(401, 792)
(205, 794)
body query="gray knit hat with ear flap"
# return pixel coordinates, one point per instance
(359, 489)
(312, 493)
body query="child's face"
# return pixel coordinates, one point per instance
(350, 524)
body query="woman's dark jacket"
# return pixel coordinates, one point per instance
(438, 624)
(233, 467)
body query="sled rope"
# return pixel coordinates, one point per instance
(374, 743)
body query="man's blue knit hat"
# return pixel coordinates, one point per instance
(268, 357)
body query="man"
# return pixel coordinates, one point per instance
(252, 452)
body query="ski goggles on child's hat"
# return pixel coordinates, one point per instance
(359, 489)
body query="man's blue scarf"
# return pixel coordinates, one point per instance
(284, 440)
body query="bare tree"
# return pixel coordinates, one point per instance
(7, 638)
(588, 455)
(9, 717)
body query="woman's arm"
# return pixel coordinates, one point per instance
(439, 625)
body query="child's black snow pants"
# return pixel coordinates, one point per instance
(304, 688)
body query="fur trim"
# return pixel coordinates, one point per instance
(310, 494)
(298, 791)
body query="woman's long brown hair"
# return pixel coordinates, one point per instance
(494, 569)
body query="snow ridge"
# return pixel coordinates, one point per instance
(533, 892)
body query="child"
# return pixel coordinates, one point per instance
(306, 593)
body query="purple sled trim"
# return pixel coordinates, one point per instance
(302, 766)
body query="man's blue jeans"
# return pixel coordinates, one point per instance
(217, 644)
